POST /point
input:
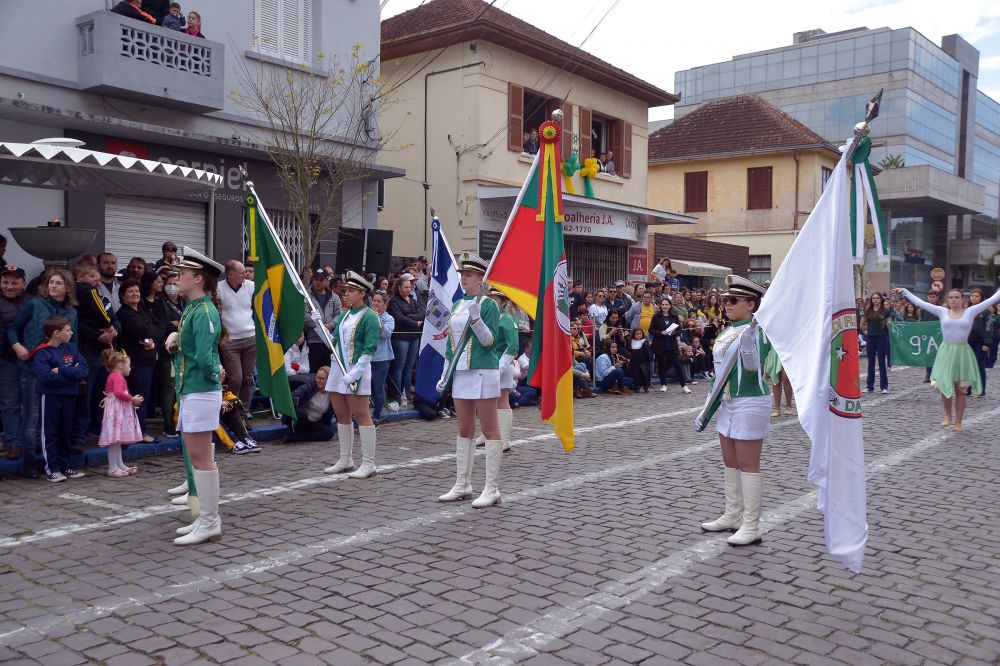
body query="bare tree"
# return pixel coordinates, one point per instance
(318, 128)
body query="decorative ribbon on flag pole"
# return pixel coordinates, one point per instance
(864, 195)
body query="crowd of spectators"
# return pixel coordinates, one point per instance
(170, 15)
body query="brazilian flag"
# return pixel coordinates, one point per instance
(278, 308)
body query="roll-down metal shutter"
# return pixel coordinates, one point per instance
(139, 227)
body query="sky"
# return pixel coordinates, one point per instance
(653, 39)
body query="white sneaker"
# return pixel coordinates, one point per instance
(253, 447)
(392, 406)
(685, 389)
(885, 391)
(663, 389)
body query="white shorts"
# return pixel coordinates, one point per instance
(335, 383)
(476, 384)
(745, 418)
(507, 377)
(199, 412)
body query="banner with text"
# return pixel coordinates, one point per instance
(914, 343)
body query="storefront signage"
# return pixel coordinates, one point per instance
(488, 241)
(638, 263)
(584, 221)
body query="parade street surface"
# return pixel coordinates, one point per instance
(593, 557)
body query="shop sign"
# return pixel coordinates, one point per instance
(638, 263)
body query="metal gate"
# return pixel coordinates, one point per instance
(140, 227)
(290, 234)
(597, 263)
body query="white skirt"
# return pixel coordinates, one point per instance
(476, 384)
(745, 418)
(336, 383)
(507, 377)
(199, 412)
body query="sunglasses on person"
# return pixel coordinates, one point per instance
(733, 300)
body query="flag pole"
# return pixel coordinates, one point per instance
(296, 278)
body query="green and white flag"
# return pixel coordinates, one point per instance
(914, 342)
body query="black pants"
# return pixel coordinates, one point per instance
(56, 427)
(305, 430)
(234, 424)
(670, 359)
(319, 356)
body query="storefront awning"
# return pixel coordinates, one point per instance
(63, 164)
(699, 268)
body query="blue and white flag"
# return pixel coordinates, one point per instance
(445, 289)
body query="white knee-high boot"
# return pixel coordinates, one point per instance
(465, 452)
(749, 533)
(491, 492)
(732, 517)
(367, 454)
(208, 526)
(505, 419)
(345, 437)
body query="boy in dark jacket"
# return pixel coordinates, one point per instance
(59, 369)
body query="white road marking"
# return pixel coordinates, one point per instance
(131, 516)
(83, 499)
(528, 639)
(93, 612)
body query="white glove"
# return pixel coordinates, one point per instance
(441, 386)
(359, 369)
(316, 316)
(748, 348)
(475, 312)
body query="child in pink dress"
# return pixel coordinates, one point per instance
(121, 424)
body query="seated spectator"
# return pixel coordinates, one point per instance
(174, 20)
(313, 411)
(586, 325)
(297, 358)
(610, 372)
(133, 10)
(582, 352)
(525, 394)
(612, 330)
(702, 365)
(599, 309)
(234, 427)
(640, 358)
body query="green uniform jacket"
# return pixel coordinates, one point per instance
(364, 337)
(753, 383)
(506, 342)
(196, 363)
(475, 355)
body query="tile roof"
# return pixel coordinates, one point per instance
(440, 23)
(741, 124)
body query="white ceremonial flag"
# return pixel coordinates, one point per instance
(808, 314)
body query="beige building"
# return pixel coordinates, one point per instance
(748, 172)
(467, 81)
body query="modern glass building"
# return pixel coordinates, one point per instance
(944, 202)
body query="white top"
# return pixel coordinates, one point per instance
(954, 331)
(660, 271)
(456, 327)
(347, 325)
(598, 313)
(237, 309)
(300, 355)
(317, 405)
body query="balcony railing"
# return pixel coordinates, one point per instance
(125, 58)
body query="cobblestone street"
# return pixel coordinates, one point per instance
(594, 557)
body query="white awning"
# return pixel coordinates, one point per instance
(63, 164)
(699, 268)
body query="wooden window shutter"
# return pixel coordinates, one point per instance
(586, 141)
(696, 192)
(567, 131)
(515, 117)
(759, 188)
(625, 168)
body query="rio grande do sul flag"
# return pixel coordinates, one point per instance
(808, 314)
(533, 238)
(278, 308)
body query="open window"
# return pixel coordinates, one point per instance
(607, 134)
(527, 110)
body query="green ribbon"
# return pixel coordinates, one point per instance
(865, 195)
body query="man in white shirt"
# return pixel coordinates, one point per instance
(239, 352)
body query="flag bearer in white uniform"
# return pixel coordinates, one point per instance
(744, 407)
(476, 382)
(355, 340)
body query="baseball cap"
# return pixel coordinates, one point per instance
(321, 273)
(11, 268)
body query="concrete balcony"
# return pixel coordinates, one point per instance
(125, 58)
